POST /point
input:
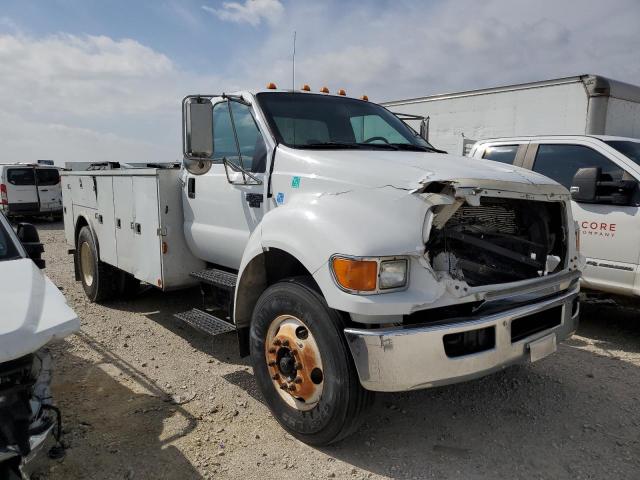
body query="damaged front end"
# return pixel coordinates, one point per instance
(498, 240)
(27, 416)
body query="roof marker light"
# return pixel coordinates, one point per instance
(306, 88)
(324, 90)
(271, 86)
(342, 92)
(365, 98)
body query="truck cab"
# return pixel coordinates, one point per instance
(609, 220)
(348, 254)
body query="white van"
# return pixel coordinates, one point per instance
(602, 173)
(28, 189)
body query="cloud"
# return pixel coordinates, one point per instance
(86, 97)
(404, 48)
(251, 11)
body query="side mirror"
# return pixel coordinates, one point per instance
(584, 184)
(197, 134)
(28, 236)
(589, 186)
(424, 128)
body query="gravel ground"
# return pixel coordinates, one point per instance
(146, 398)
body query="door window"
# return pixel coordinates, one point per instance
(561, 162)
(252, 147)
(21, 176)
(501, 153)
(47, 176)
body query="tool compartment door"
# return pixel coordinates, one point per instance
(146, 224)
(123, 215)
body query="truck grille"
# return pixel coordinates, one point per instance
(500, 240)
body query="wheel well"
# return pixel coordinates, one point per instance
(82, 222)
(262, 271)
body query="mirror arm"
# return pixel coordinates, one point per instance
(237, 168)
(235, 136)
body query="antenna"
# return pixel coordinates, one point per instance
(293, 66)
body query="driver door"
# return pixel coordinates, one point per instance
(220, 209)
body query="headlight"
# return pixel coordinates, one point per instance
(369, 275)
(393, 274)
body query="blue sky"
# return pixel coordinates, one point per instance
(90, 79)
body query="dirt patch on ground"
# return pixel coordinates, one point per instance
(146, 398)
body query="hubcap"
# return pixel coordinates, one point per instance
(86, 264)
(294, 362)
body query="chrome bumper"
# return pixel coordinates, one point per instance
(409, 358)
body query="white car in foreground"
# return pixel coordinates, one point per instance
(34, 313)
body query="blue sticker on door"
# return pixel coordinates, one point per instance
(280, 198)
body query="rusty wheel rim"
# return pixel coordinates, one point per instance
(294, 362)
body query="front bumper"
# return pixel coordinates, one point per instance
(414, 357)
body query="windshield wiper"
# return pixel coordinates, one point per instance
(328, 145)
(416, 148)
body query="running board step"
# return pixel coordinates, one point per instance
(205, 322)
(217, 278)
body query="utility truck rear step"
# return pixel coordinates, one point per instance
(205, 322)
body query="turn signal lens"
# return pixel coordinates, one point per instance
(271, 86)
(357, 275)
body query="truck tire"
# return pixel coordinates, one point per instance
(96, 276)
(303, 366)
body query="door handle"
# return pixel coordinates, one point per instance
(191, 187)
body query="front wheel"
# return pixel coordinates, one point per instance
(303, 365)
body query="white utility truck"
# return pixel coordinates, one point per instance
(580, 105)
(603, 174)
(350, 256)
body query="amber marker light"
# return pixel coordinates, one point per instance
(271, 86)
(306, 88)
(342, 92)
(355, 275)
(324, 90)
(365, 98)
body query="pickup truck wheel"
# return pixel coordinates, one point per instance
(96, 276)
(303, 365)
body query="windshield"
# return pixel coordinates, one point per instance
(304, 120)
(626, 147)
(8, 249)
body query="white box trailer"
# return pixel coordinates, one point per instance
(580, 105)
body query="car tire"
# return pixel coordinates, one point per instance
(96, 276)
(291, 320)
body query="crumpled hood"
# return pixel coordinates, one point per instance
(32, 310)
(406, 170)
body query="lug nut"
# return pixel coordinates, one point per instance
(285, 343)
(272, 364)
(283, 387)
(272, 350)
(292, 388)
(277, 342)
(276, 376)
(297, 366)
(298, 380)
